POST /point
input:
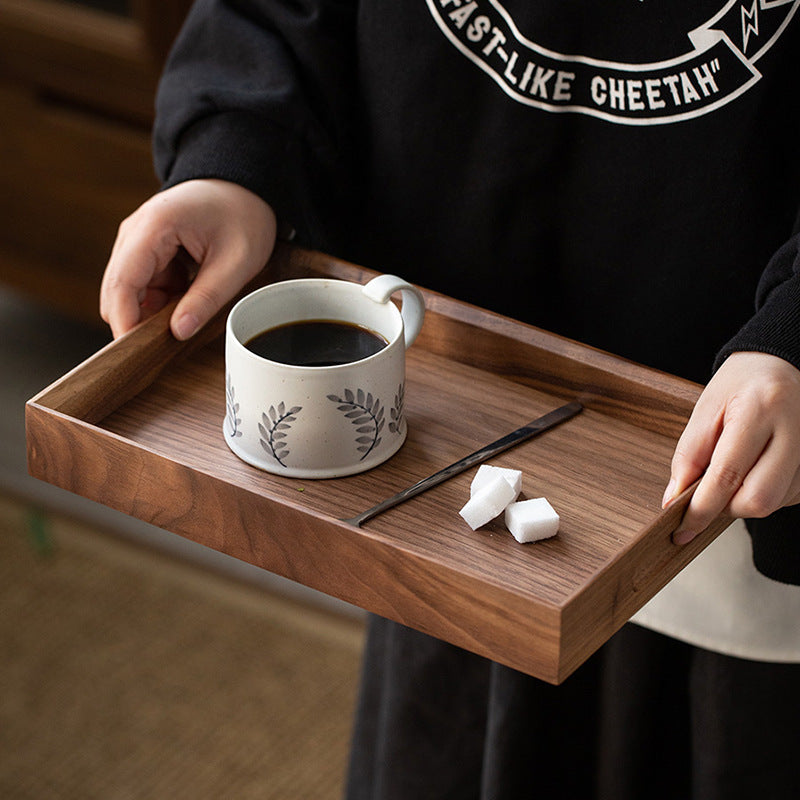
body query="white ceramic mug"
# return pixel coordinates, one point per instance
(319, 421)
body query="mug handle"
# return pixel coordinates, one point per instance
(380, 289)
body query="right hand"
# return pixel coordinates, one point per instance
(219, 229)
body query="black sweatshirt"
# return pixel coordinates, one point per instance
(621, 173)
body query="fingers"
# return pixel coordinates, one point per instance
(758, 496)
(743, 438)
(695, 446)
(737, 450)
(139, 259)
(219, 229)
(234, 254)
(769, 485)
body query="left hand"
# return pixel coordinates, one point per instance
(743, 438)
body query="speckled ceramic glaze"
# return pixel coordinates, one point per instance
(319, 422)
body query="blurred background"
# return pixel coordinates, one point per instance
(133, 663)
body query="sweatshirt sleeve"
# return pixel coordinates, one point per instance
(775, 329)
(775, 326)
(260, 92)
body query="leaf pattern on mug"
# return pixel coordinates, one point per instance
(396, 411)
(273, 429)
(231, 409)
(366, 413)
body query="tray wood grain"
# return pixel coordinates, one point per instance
(138, 427)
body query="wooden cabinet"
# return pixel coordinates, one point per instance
(77, 83)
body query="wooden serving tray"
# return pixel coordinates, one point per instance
(138, 427)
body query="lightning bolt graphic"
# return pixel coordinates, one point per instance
(749, 23)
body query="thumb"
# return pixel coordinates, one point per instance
(214, 286)
(236, 248)
(693, 451)
(193, 311)
(220, 277)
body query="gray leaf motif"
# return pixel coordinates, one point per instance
(366, 413)
(231, 409)
(396, 411)
(273, 428)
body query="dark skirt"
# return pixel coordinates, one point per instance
(646, 718)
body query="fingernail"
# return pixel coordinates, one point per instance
(186, 326)
(668, 492)
(683, 536)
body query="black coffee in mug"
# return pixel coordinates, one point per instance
(316, 343)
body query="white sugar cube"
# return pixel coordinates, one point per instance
(531, 520)
(488, 502)
(486, 472)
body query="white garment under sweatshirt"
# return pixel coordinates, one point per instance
(722, 603)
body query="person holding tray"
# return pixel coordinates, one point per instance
(611, 173)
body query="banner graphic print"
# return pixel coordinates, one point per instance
(718, 65)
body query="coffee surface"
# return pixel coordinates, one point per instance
(316, 343)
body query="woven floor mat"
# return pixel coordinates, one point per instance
(125, 674)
